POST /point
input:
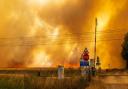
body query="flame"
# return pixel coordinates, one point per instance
(40, 58)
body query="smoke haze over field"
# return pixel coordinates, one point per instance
(46, 33)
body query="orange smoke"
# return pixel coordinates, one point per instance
(48, 33)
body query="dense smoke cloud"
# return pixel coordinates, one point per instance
(46, 33)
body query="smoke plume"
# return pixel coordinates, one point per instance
(46, 33)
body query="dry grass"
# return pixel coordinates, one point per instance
(35, 82)
(11, 82)
(54, 83)
(15, 79)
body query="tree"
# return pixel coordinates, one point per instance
(125, 49)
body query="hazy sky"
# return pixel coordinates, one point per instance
(46, 33)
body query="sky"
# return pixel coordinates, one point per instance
(48, 33)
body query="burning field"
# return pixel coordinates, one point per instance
(46, 33)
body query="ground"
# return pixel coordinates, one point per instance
(47, 79)
(111, 80)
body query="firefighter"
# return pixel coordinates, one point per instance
(86, 54)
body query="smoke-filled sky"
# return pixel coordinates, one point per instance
(46, 33)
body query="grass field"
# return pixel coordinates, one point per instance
(34, 82)
(47, 79)
(30, 79)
